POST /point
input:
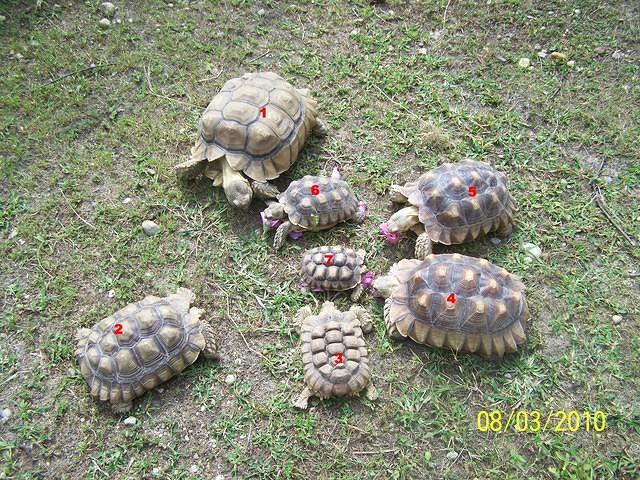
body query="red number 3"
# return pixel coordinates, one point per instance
(117, 329)
(339, 358)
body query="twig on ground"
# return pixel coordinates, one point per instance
(211, 78)
(82, 70)
(603, 206)
(147, 75)
(444, 17)
(259, 56)
(74, 211)
(373, 452)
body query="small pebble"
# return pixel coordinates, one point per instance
(607, 178)
(5, 415)
(355, 31)
(422, 51)
(111, 293)
(194, 469)
(219, 477)
(528, 259)
(542, 54)
(571, 63)
(18, 56)
(532, 249)
(105, 23)
(108, 9)
(261, 12)
(617, 319)
(130, 421)
(150, 228)
(524, 62)
(495, 240)
(126, 200)
(452, 455)
(2, 18)
(229, 379)
(617, 55)
(155, 472)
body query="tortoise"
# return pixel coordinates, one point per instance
(335, 268)
(336, 361)
(452, 204)
(256, 126)
(466, 304)
(141, 346)
(313, 203)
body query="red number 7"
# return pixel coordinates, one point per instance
(328, 259)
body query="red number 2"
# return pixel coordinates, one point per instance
(451, 298)
(339, 358)
(472, 191)
(315, 189)
(117, 328)
(328, 259)
(263, 111)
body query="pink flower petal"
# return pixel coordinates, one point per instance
(367, 280)
(318, 289)
(295, 235)
(362, 208)
(270, 224)
(393, 238)
(335, 174)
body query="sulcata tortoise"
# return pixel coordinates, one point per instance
(336, 269)
(142, 345)
(254, 127)
(336, 361)
(312, 203)
(451, 204)
(463, 303)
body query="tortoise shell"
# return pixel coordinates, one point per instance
(318, 202)
(259, 122)
(459, 202)
(336, 361)
(333, 268)
(140, 346)
(464, 303)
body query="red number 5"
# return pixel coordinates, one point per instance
(472, 191)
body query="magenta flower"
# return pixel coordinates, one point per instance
(389, 236)
(335, 174)
(270, 224)
(367, 280)
(295, 235)
(362, 208)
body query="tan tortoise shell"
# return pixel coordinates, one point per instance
(463, 303)
(261, 143)
(318, 202)
(331, 268)
(159, 337)
(336, 361)
(450, 214)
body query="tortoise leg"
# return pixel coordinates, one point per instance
(303, 313)
(320, 129)
(396, 195)
(210, 348)
(121, 407)
(190, 169)
(505, 230)
(302, 401)
(357, 292)
(424, 246)
(281, 234)
(264, 190)
(363, 317)
(392, 331)
(371, 393)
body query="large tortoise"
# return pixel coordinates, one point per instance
(313, 203)
(335, 269)
(141, 346)
(336, 361)
(463, 303)
(452, 204)
(256, 126)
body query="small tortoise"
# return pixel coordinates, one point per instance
(336, 269)
(463, 303)
(451, 204)
(336, 361)
(256, 124)
(313, 203)
(142, 345)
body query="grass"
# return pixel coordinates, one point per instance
(403, 88)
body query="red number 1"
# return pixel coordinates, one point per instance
(263, 111)
(117, 328)
(339, 358)
(315, 189)
(328, 259)
(451, 298)
(472, 191)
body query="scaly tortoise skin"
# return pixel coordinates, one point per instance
(236, 135)
(313, 203)
(159, 338)
(489, 314)
(334, 268)
(444, 210)
(336, 360)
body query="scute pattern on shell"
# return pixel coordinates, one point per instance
(449, 213)
(159, 339)
(489, 313)
(335, 202)
(323, 337)
(262, 147)
(342, 272)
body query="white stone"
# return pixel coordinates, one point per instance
(105, 23)
(524, 62)
(452, 455)
(230, 379)
(617, 55)
(532, 249)
(150, 228)
(126, 200)
(111, 293)
(528, 259)
(194, 469)
(617, 319)
(542, 54)
(155, 472)
(422, 51)
(261, 12)
(130, 421)
(108, 9)
(571, 63)
(5, 415)
(2, 18)
(355, 31)
(495, 240)
(219, 477)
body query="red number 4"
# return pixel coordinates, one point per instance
(451, 298)
(328, 259)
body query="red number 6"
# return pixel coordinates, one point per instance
(315, 189)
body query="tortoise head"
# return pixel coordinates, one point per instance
(275, 211)
(386, 284)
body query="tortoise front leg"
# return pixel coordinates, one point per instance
(505, 230)
(122, 407)
(281, 234)
(264, 190)
(320, 129)
(371, 393)
(303, 400)
(363, 317)
(356, 293)
(392, 331)
(424, 246)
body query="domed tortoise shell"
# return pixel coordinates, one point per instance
(334, 268)
(140, 346)
(463, 303)
(259, 122)
(336, 361)
(459, 202)
(318, 202)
